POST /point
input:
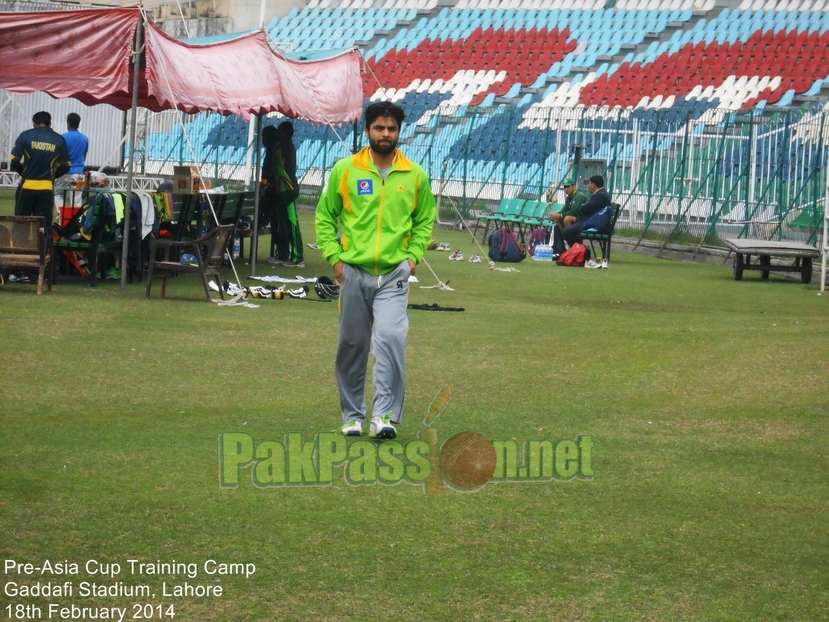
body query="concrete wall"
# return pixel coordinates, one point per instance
(246, 12)
(205, 18)
(190, 28)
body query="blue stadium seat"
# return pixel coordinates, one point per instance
(786, 100)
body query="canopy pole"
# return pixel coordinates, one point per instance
(257, 171)
(136, 72)
(249, 154)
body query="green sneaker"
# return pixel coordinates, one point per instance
(351, 428)
(382, 429)
(112, 273)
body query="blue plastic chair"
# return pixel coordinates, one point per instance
(514, 90)
(786, 100)
(815, 88)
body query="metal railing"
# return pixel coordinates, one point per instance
(687, 174)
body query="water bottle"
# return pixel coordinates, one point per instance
(236, 247)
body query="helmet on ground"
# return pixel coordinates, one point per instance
(326, 288)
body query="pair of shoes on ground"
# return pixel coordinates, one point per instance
(381, 428)
(596, 265)
(456, 256)
(277, 293)
(475, 259)
(439, 246)
(18, 277)
(286, 262)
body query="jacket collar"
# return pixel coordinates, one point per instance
(362, 160)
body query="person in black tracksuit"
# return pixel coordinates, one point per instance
(598, 199)
(280, 191)
(289, 247)
(39, 155)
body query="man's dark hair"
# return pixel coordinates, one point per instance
(73, 120)
(269, 136)
(286, 128)
(384, 109)
(598, 180)
(42, 118)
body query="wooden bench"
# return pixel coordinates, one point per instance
(24, 243)
(764, 250)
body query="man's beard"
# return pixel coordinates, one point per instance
(384, 149)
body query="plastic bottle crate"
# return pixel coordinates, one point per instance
(543, 252)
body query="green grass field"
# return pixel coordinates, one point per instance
(706, 400)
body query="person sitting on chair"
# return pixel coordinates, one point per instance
(575, 199)
(598, 200)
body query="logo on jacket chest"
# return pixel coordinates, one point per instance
(365, 186)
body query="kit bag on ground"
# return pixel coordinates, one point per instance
(504, 247)
(575, 256)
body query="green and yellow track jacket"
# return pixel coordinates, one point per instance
(383, 222)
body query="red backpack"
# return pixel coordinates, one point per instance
(574, 256)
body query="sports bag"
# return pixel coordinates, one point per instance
(600, 221)
(504, 247)
(574, 256)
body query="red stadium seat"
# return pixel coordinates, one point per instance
(502, 88)
(479, 98)
(772, 97)
(802, 84)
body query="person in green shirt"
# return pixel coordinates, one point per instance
(569, 213)
(382, 203)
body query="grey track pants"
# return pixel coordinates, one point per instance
(373, 318)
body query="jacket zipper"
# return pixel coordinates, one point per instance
(379, 224)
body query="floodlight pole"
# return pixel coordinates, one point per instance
(136, 72)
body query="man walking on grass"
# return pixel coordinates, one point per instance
(382, 203)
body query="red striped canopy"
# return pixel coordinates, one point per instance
(85, 54)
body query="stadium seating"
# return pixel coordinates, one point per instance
(581, 56)
(492, 78)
